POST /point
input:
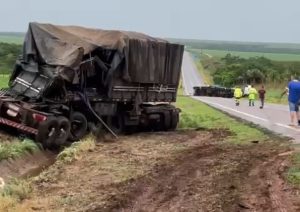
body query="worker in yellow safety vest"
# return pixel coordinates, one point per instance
(252, 95)
(238, 93)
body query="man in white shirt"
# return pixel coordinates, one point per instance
(246, 90)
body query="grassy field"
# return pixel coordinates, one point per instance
(273, 95)
(4, 80)
(17, 39)
(287, 48)
(198, 115)
(272, 56)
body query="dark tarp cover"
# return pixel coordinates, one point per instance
(138, 57)
(147, 59)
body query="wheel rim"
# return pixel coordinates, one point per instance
(51, 132)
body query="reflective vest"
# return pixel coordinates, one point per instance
(238, 93)
(252, 93)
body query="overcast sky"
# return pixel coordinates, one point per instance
(237, 20)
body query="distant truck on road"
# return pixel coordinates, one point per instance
(71, 79)
(216, 91)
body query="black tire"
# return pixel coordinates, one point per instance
(96, 128)
(159, 124)
(63, 133)
(174, 119)
(47, 132)
(79, 126)
(116, 124)
(166, 120)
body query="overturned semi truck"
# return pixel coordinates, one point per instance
(215, 91)
(71, 79)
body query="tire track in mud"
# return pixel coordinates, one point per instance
(269, 192)
(212, 178)
(206, 175)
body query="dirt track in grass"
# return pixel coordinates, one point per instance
(171, 171)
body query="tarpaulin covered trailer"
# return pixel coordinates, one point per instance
(71, 79)
(123, 58)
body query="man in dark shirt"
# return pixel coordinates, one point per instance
(261, 93)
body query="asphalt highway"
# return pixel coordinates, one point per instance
(274, 117)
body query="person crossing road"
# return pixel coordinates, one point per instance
(262, 93)
(237, 95)
(252, 96)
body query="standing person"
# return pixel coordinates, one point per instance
(252, 95)
(246, 90)
(294, 98)
(238, 93)
(262, 93)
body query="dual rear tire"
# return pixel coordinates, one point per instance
(168, 120)
(53, 132)
(56, 131)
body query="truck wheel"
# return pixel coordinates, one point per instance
(47, 132)
(95, 128)
(174, 120)
(166, 120)
(116, 123)
(79, 126)
(64, 127)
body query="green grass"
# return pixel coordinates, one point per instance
(272, 56)
(273, 95)
(199, 115)
(11, 39)
(293, 174)
(18, 189)
(16, 149)
(13, 193)
(4, 80)
(74, 151)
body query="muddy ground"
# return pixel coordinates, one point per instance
(172, 171)
(30, 164)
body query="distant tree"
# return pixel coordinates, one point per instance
(8, 56)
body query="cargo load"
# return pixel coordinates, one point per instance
(70, 80)
(53, 54)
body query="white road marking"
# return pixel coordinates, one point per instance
(287, 126)
(228, 108)
(249, 115)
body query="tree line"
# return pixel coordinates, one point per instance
(231, 70)
(8, 54)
